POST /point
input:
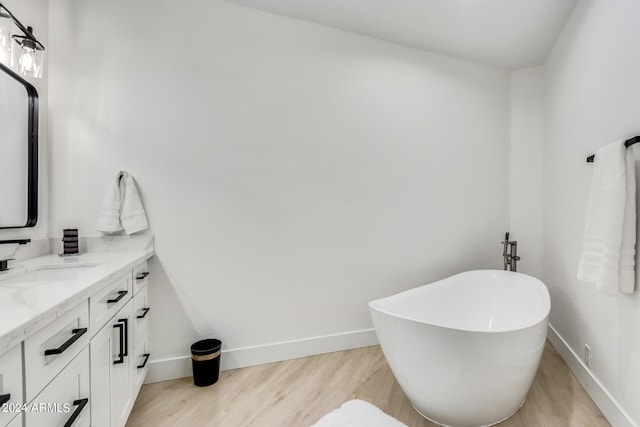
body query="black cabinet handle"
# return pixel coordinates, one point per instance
(80, 403)
(121, 352)
(4, 398)
(123, 325)
(77, 333)
(143, 315)
(146, 359)
(142, 276)
(126, 336)
(121, 295)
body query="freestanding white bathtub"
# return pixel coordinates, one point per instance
(465, 349)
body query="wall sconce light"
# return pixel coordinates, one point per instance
(22, 52)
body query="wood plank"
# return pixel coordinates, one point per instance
(299, 392)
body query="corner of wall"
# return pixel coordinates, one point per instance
(609, 406)
(525, 165)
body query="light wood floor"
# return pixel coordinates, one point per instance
(300, 392)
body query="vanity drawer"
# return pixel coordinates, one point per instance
(141, 311)
(66, 397)
(141, 359)
(10, 384)
(106, 302)
(140, 276)
(48, 351)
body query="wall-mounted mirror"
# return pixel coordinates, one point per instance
(18, 151)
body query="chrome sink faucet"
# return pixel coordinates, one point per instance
(510, 253)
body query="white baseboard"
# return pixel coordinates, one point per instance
(600, 395)
(180, 367)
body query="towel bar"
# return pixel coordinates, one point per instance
(627, 143)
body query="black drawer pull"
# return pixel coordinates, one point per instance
(146, 359)
(121, 295)
(77, 333)
(126, 336)
(4, 398)
(142, 276)
(121, 352)
(123, 325)
(80, 403)
(143, 315)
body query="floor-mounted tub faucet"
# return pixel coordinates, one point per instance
(510, 253)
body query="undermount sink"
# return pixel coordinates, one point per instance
(46, 273)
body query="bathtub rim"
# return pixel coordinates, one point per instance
(541, 317)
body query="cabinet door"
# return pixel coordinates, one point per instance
(140, 276)
(112, 383)
(141, 349)
(108, 301)
(50, 349)
(10, 384)
(101, 347)
(122, 379)
(65, 401)
(141, 309)
(141, 359)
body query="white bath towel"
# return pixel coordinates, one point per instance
(358, 413)
(608, 252)
(122, 207)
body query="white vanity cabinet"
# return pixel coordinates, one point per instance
(65, 401)
(81, 361)
(111, 372)
(56, 372)
(49, 350)
(140, 276)
(115, 361)
(105, 303)
(11, 386)
(141, 309)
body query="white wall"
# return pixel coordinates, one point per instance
(291, 172)
(35, 13)
(592, 99)
(525, 163)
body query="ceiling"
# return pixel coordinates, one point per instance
(508, 34)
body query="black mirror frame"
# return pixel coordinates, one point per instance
(32, 142)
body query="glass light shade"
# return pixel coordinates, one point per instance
(5, 39)
(26, 60)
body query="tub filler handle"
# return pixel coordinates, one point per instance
(510, 253)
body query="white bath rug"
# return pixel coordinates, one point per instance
(358, 413)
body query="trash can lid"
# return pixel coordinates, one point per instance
(206, 346)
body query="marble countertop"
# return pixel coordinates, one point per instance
(28, 306)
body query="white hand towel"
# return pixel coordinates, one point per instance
(122, 207)
(109, 216)
(608, 253)
(132, 214)
(628, 249)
